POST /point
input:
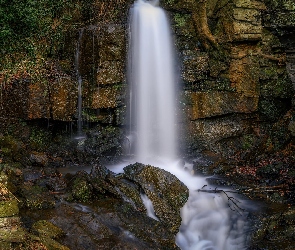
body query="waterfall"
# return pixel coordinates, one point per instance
(152, 78)
(208, 219)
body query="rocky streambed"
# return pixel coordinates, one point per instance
(56, 193)
(103, 210)
(99, 210)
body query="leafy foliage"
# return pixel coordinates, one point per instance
(26, 24)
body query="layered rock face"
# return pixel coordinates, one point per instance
(236, 84)
(238, 87)
(95, 49)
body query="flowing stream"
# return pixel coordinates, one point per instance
(211, 220)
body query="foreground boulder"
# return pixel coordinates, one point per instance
(166, 192)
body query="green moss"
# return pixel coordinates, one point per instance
(39, 139)
(268, 73)
(289, 5)
(47, 229)
(36, 197)
(9, 146)
(81, 190)
(276, 86)
(272, 109)
(180, 20)
(4, 245)
(13, 236)
(51, 244)
(8, 208)
(131, 191)
(248, 141)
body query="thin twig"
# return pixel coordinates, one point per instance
(230, 199)
(7, 190)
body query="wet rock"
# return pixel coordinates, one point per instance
(276, 231)
(129, 192)
(220, 103)
(106, 97)
(165, 191)
(110, 224)
(211, 131)
(152, 232)
(244, 70)
(39, 159)
(85, 229)
(81, 189)
(291, 128)
(110, 72)
(38, 101)
(104, 142)
(8, 223)
(32, 175)
(103, 180)
(64, 94)
(8, 208)
(56, 184)
(36, 197)
(47, 229)
(52, 244)
(195, 65)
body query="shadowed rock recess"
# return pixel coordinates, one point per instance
(236, 64)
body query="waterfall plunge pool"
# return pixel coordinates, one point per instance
(214, 218)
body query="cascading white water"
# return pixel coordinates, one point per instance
(208, 223)
(152, 77)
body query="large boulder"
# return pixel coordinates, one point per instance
(166, 192)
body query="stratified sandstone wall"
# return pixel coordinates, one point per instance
(233, 95)
(236, 91)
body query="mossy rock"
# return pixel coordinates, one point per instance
(81, 189)
(13, 236)
(166, 192)
(270, 171)
(45, 228)
(3, 179)
(130, 192)
(4, 245)
(9, 223)
(37, 197)
(51, 244)
(11, 149)
(271, 109)
(103, 181)
(8, 208)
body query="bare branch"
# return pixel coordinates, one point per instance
(232, 201)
